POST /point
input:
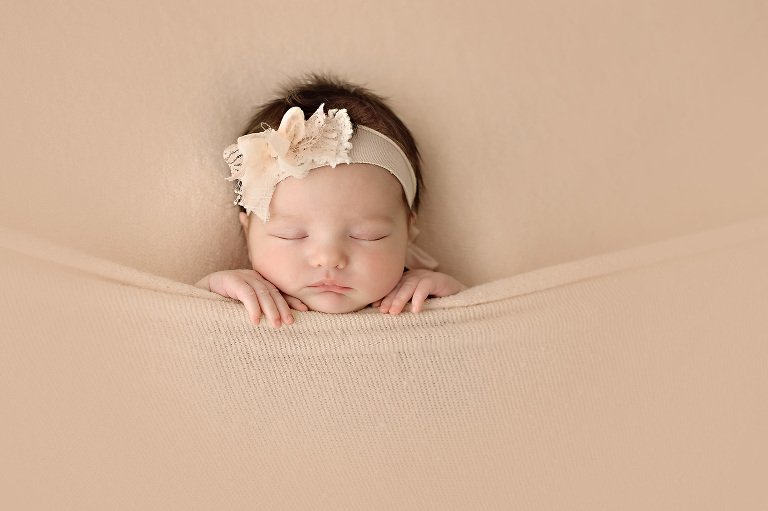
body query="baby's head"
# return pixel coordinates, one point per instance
(364, 108)
(332, 234)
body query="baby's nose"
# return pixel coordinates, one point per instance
(328, 256)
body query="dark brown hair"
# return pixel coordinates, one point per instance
(363, 107)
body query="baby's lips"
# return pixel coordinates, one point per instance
(329, 283)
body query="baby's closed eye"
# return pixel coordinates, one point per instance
(289, 235)
(368, 236)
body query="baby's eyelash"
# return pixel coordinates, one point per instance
(289, 237)
(303, 236)
(365, 238)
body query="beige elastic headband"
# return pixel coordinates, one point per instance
(259, 161)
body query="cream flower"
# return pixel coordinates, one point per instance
(261, 160)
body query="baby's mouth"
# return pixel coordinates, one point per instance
(330, 285)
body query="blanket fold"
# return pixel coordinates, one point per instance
(633, 380)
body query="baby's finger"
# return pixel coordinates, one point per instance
(420, 294)
(402, 296)
(268, 295)
(283, 308)
(245, 293)
(386, 302)
(376, 304)
(295, 303)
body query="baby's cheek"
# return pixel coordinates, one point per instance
(385, 272)
(275, 265)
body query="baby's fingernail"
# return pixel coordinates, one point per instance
(289, 320)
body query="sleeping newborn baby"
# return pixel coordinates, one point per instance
(328, 208)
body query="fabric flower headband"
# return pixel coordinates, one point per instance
(259, 161)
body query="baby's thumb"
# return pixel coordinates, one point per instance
(295, 304)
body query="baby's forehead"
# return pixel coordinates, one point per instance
(305, 215)
(358, 190)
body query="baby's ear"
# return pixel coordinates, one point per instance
(244, 222)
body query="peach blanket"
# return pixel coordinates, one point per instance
(633, 380)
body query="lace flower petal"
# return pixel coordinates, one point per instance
(261, 160)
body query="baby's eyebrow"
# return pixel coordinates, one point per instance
(373, 217)
(378, 218)
(286, 216)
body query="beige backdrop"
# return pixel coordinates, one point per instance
(550, 130)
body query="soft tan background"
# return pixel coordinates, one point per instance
(550, 130)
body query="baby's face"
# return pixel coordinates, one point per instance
(336, 239)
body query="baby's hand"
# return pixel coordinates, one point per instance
(417, 285)
(257, 294)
